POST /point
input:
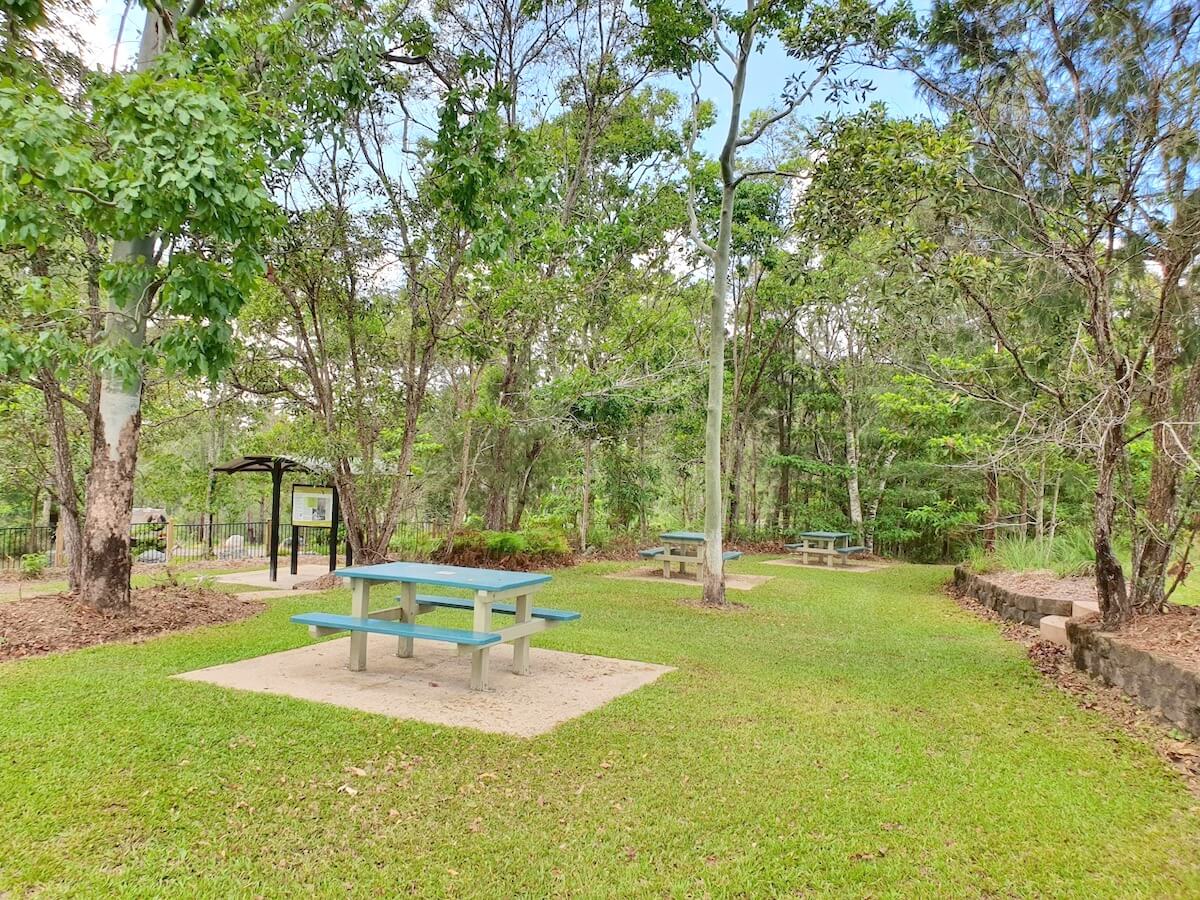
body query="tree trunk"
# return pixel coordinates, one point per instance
(1111, 589)
(1023, 507)
(783, 496)
(117, 421)
(852, 466)
(1050, 532)
(735, 473)
(1172, 451)
(459, 514)
(585, 509)
(877, 500)
(993, 501)
(65, 489)
(714, 563)
(531, 458)
(1039, 525)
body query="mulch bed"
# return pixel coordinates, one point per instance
(1054, 663)
(54, 622)
(326, 582)
(1175, 634)
(1045, 584)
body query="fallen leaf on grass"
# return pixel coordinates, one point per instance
(869, 855)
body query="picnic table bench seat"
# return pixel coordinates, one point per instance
(397, 629)
(509, 609)
(731, 554)
(652, 552)
(846, 551)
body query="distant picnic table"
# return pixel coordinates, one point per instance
(684, 548)
(493, 591)
(827, 546)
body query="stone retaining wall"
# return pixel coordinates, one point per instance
(1161, 685)
(1008, 604)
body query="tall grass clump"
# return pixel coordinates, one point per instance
(1070, 552)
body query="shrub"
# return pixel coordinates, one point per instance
(545, 540)
(33, 565)
(505, 543)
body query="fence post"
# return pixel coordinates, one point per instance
(170, 549)
(209, 533)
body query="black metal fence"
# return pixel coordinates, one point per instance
(21, 541)
(160, 542)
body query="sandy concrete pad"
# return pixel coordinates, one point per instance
(850, 567)
(433, 685)
(286, 580)
(653, 574)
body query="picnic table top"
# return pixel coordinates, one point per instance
(446, 576)
(827, 535)
(682, 536)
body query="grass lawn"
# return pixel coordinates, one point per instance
(848, 734)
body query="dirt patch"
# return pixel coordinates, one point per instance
(1045, 584)
(857, 564)
(1053, 661)
(653, 575)
(326, 582)
(55, 622)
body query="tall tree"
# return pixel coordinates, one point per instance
(1084, 118)
(689, 40)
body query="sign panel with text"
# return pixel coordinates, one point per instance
(312, 506)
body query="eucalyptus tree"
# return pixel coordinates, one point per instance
(826, 41)
(165, 165)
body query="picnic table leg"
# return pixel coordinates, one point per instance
(666, 569)
(481, 656)
(408, 615)
(360, 603)
(521, 644)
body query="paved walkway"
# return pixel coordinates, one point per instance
(261, 578)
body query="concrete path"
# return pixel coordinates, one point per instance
(260, 578)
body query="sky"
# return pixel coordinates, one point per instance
(767, 76)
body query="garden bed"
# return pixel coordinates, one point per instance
(1020, 597)
(54, 622)
(1156, 660)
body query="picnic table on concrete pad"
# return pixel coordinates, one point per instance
(685, 548)
(825, 544)
(489, 588)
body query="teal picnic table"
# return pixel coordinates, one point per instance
(492, 591)
(829, 545)
(685, 548)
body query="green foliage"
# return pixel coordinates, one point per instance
(32, 565)
(1069, 553)
(504, 543)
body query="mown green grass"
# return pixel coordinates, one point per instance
(847, 734)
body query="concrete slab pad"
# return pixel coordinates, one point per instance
(432, 686)
(849, 567)
(653, 574)
(260, 578)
